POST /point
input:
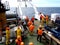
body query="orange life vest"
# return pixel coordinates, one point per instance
(46, 17)
(31, 27)
(40, 32)
(29, 23)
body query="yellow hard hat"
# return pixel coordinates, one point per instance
(7, 28)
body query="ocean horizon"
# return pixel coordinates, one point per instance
(29, 11)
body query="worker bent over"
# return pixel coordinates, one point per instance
(39, 32)
(31, 29)
(18, 40)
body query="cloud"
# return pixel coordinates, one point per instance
(38, 3)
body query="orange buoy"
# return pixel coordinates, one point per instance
(31, 43)
(22, 43)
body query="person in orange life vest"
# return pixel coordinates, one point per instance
(26, 19)
(32, 19)
(7, 35)
(47, 18)
(31, 29)
(29, 23)
(39, 32)
(18, 40)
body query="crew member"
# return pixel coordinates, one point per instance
(26, 19)
(29, 23)
(42, 17)
(18, 31)
(31, 29)
(46, 19)
(7, 35)
(32, 19)
(39, 32)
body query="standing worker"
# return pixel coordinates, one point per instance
(26, 19)
(7, 35)
(32, 19)
(46, 19)
(39, 32)
(31, 29)
(42, 17)
(18, 31)
(29, 23)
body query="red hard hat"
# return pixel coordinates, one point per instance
(7, 28)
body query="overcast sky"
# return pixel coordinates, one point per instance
(38, 3)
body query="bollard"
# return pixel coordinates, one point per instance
(31, 43)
